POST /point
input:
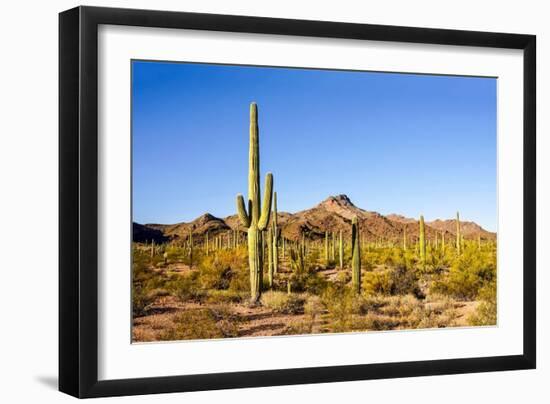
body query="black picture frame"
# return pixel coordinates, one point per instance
(78, 201)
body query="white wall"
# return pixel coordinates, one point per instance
(28, 201)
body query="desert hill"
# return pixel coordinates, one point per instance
(333, 214)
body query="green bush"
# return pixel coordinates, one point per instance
(184, 287)
(468, 274)
(378, 282)
(217, 270)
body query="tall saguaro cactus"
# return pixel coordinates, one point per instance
(270, 252)
(355, 256)
(327, 258)
(190, 247)
(275, 231)
(341, 251)
(255, 217)
(422, 241)
(458, 238)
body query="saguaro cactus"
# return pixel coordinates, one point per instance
(275, 230)
(333, 251)
(255, 217)
(355, 256)
(458, 238)
(422, 241)
(404, 238)
(341, 251)
(326, 249)
(206, 246)
(190, 248)
(270, 266)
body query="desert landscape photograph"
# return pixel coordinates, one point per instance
(272, 201)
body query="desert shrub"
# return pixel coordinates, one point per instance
(395, 281)
(468, 274)
(146, 283)
(217, 270)
(399, 306)
(200, 324)
(486, 311)
(343, 277)
(226, 321)
(225, 296)
(405, 281)
(378, 282)
(364, 304)
(283, 302)
(315, 283)
(313, 306)
(376, 322)
(240, 279)
(185, 288)
(338, 301)
(308, 281)
(401, 311)
(435, 313)
(141, 300)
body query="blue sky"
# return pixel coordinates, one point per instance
(394, 143)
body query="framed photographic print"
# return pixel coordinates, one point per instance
(251, 201)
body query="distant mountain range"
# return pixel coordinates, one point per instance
(333, 214)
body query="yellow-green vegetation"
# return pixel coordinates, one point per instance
(208, 295)
(211, 284)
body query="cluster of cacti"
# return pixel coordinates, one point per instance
(355, 256)
(253, 216)
(297, 259)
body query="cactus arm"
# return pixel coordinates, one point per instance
(241, 210)
(268, 195)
